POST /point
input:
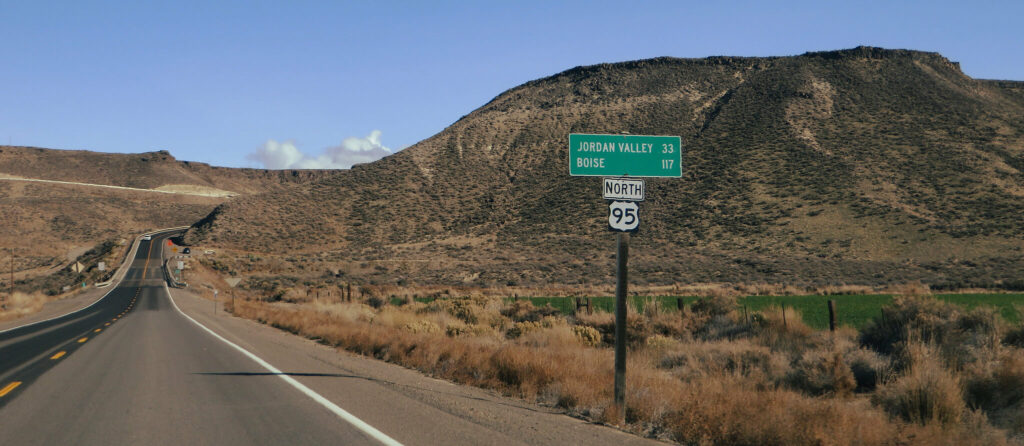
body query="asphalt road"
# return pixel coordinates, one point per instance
(147, 376)
(141, 367)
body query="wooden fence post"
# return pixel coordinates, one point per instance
(831, 315)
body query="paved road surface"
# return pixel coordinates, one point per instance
(133, 369)
(149, 377)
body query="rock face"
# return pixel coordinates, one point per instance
(857, 166)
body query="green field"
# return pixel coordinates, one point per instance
(852, 310)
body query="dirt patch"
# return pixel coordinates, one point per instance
(192, 189)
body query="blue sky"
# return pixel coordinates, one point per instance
(248, 84)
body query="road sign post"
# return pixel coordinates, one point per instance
(624, 156)
(11, 296)
(621, 285)
(232, 282)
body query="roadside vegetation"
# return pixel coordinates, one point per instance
(21, 304)
(30, 294)
(921, 371)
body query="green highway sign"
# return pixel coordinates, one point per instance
(622, 155)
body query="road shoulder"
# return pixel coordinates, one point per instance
(400, 401)
(68, 305)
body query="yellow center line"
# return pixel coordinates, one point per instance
(97, 330)
(59, 355)
(82, 340)
(146, 266)
(8, 388)
(106, 324)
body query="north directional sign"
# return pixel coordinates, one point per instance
(625, 155)
(624, 189)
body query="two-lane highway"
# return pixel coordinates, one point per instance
(141, 367)
(131, 369)
(28, 351)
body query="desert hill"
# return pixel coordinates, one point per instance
(864, 165)
(856, 166)
(49, 223)
(149, 170)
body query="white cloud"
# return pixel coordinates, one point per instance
(352, 151)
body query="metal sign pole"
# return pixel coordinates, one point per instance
(621, 284)
(11, 297)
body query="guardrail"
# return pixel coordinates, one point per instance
(171, 280)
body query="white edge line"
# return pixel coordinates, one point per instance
(127, 262)
(341, 413)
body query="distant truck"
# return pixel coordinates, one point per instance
(147, 237)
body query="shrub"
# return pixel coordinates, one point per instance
(960, 336)
(929, 318)
(521, 328)
(998, 389)
(660, 342)
(782, 330)
(868, 368)
(671, 325)
(926, 394)
(1015, 337)
(467, 309)
(638, 328)
(722, 327)
(552, 336)
(720, 305)
(422, 326)
(375, 302)
(587, 335)
(822, 372)
(524, 310)
(755, 364)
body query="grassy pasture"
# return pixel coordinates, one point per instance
(853, 310)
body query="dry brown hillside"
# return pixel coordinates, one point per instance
(142, 170)
(862, 166)
(48, 224)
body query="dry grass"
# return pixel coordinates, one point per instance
(997, 387)
(926, 394)
(773, 383)
(23, 304)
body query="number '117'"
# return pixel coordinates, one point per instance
(666, 164)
